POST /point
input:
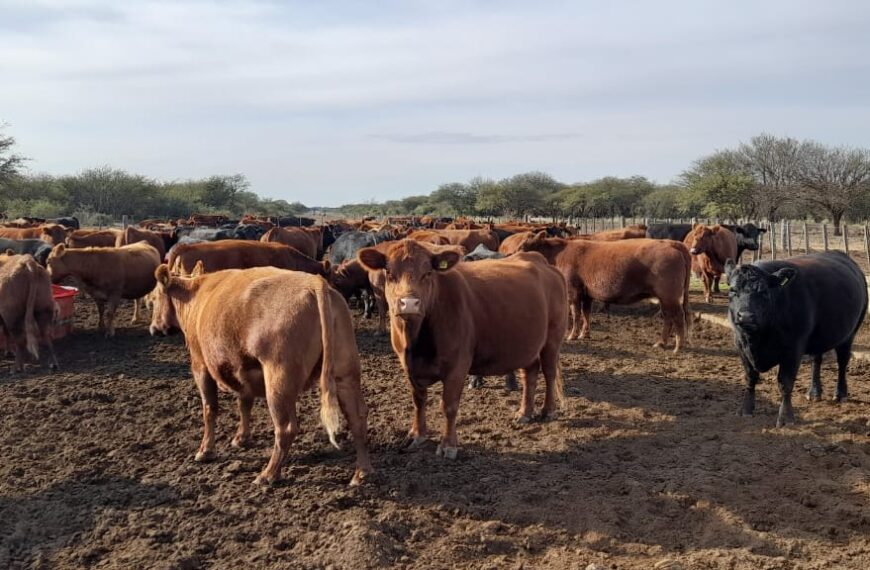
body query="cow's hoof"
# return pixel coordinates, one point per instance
(265, 480)
(361, 475)
(242, 442)
(814, 397)
(475, 382)
(785, 421)
(204, 456)
(545, 416)
(522, 419)
(446, 452)
(414, 442)
(840, 398)
(746, 412)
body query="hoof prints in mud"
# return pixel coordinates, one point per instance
(647, 462)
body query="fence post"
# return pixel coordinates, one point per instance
(124, 222)
(867, 244)
(846, 238)
(806, 239)
(773, 242)
(788, 237)
(825, 235)
(756, 255)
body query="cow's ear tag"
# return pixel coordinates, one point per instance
(784, 281)
(442, 264)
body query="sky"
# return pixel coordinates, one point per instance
(349, 101)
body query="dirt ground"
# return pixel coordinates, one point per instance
(648, 463)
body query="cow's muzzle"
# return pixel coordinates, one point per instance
(408, 306)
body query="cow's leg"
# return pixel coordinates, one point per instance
(450, 396)
(585, 313)
(52, 358)
(814, 394)
(475, 381)
(552, 379)
(243, 435)
(678, 324)
(510, 382)
(716, 279)
(785, 377)
(574, 322)
(752, 378)
(708, 283)
(101, 314)
(844, 354)
(352, 403)
(208, 394)
(281, 396)
(368, 305)
(19, 349)
(667, 324)
(135, 318)
(111, 305)
(418, 433)
(527, 403)
(381, 301)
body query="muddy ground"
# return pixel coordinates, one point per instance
(647, 463)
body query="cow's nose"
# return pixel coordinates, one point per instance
(694, 251)
(408, 306)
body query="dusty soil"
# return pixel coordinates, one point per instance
(648, 462)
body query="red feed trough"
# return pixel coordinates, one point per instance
(65, 299)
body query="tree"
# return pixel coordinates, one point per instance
(10, 162)
(773, 164)
(454, 199)
(835, 179)
(662, 203)
(719, 186)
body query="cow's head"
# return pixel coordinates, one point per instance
(164, 315)
(753, 294)
(747, 236)
(53, 233)
(56, 263)
(411, 269)
(700, 239)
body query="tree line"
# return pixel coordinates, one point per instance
(767, 177)
(105, 194)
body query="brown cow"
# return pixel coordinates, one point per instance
(267, 333)
(92, 238)
(711, 247)
(308, 242)
(107, 275)
(470, 239)
(132, 234)
(351, 278)
(241, 254)
(449, 319)
(429, 236)
(50, 233)
(622, 272)
(27, 307)
(629, 232)
(511, 244)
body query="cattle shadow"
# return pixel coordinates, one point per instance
(33, 526)
(664, 462)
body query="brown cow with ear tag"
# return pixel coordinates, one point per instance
(449, 319)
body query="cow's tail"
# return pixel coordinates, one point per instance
(329, 408)
(31, 329)
(559, 386)
(687, 309)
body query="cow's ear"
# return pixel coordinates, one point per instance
(762, 230)
(198, 269)
(162, 274)
(59, 250)
(783, 277)
(730, 266)
(446, 260)
(540, 236)
(326, 266)
(372, 259)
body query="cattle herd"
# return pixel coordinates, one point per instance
(263, 304)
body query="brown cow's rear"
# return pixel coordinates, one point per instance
(50, 233)
(132, 234)
(92, 238)
(308, 242)
(622, 272)
(27, 307)
(241, 254)
(449, 319)
(267, 333)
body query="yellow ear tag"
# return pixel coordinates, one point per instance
(442, 264)
(784, 281)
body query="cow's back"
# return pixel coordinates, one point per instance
(676, 232)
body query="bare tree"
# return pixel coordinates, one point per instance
(10, 163)
(773, 162)
(834, 179)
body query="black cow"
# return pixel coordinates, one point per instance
(248, 231)
(35, 247)
(480, 253)
(782, 310)
(747, 237)
(676, 232)
(69, 222)
(348, 243)
(208, 234)
(293, 221)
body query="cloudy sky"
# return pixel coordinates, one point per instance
(333, 102)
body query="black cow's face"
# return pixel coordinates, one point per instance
(753, 293)
(747, 236)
